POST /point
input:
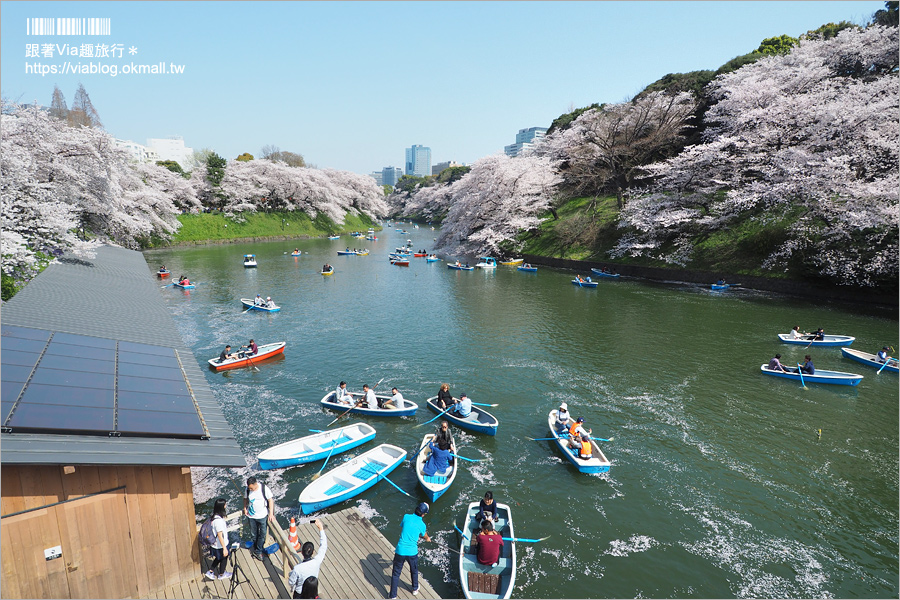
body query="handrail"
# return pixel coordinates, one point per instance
(289, 558)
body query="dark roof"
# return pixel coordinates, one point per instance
(113, 295)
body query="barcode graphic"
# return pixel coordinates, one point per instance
(67, 26)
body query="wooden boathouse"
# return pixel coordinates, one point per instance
(104, 412)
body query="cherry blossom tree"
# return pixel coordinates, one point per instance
(811, 136)
(495, 201)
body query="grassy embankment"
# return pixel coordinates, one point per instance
(575, 236)
(213, 227)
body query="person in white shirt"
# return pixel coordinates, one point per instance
(396, 400)
(562, 417)
(269, 303)
(258, 301)
(220, 546)
(796, 335)
(369, 398)
(255, 508)
(310, 565)
(342, 395)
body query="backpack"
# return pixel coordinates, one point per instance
(207, 535)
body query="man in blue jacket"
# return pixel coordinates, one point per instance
(412, 527)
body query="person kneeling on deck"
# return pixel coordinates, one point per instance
(438, 462)
(489, 544)
(412, 527)
(463, 406)
(309, 566)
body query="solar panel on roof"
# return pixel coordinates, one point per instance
(67, 383)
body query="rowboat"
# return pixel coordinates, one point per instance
(830, 340)
(362, 252)
(420, 254)
(598, 463)
(821, 376)
(479, 420)
(434, 485)
(334, 237)
(486, 581)
(262, 353)
(329, 271)
(296, 253)
(870, 359)
(249, 260)
(486, 263)
(162, 274)
(346, 252)
(351, 478)
(600, 273)
(183, 286)
(316, 446)
(402, 252)
(720, 286)
(371, 238)
(459, 267)
(585, 283)
(517, 261)
(249, 304)
(432, 258)
(408, 409)
(527, 269)
(400, 262)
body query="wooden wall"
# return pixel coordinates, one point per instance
(127, 543)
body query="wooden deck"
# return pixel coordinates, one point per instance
(357, 565)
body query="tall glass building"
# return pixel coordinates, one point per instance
(524, 139)
(418, 161)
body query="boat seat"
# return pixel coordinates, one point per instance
(369, 470)
(483, 583)
(471, 564)
(437, 479)
(331, 443)
(336, 489)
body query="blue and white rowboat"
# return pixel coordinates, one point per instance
(486, 581)
(316, 446)
(351, 478)
(598, 463)
(830, 340)
(585, 283)
(408, 409)
(249, 304)
(600, 273)
(459, 267)
(479, 420)
(527, 269)
(821, 376)
(434, 485)
(189, 286)
(870, 359)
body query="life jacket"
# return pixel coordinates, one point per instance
(573, 428)
(586, 449)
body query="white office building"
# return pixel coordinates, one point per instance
(418, 161)
(139, 153)
(172, 148)
(377, 176)
(524, 139)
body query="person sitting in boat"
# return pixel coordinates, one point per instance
(796, 335)
(269, 303)
(438, 462)
(368, 399)
(575, 442)
(226, 354)
(883, 355)
(577, 428)
(444, 399)
(808, 367)
(586, 449)
(487, 509)
(162, 269)
(463, 406)
(296, 250)
(721, 281)
(457, 264)
(489, 544)
(579, 279)
(775, 364)
(342, 395)
(184, 281)
(252, 349)
(443, 433)
(819, 335)
(562, 417)
(258, 301)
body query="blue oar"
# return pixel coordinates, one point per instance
(800, 370)
(482, 404)
(378, 473)
(464, 458)
(885, 364)
(319, 474)
(565, 435)
(506, 539)
(462, 533)
(437, 417)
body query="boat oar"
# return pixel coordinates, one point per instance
(422, 447)
(447, 547)
(390, 482)
(800, 371)
(530, 541)
(482, 404)
(252, 366)
(464, 458)
(341, 415)
(885, 364)
(319, 474)
(461, 532)
(437, 417)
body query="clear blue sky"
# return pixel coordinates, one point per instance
(351, 84)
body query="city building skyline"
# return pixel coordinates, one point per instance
(418, 160)
(525, 139)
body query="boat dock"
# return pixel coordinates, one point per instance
(357, 565)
